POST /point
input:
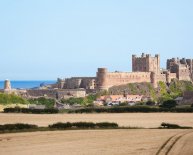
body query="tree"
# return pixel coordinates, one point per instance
(150, 103)
(169, 104)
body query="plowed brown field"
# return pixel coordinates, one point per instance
(147, 120)
(86, 142)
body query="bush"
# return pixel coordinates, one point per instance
(107, 125)
(169, 104)
(123, 104)
(170, 126)
(11, 99)
(60, 125)
(18, 126)
(88, 100)
(150, 103)
(84, 125)
(33, 111)
(49, 103)
(174, 126)
(73, 100)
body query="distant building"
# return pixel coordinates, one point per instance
(120, 98)
(77, 82)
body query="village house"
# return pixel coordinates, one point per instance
(116, 99)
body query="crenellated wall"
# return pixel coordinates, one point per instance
(54, 93)
(146, 63)
(107, 79)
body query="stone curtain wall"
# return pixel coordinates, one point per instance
(109, 79)
(65, 93)
(80, 82)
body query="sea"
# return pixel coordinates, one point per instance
(26, 84)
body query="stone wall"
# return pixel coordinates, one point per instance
(77, 82)
(161, 77)
(183, 72)
(188, 97)
(54, 93)
(107, 79)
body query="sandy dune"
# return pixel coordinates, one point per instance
(123, 119)
(86, 142)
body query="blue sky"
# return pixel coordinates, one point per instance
(46, 39)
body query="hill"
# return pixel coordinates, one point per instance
(162, 92)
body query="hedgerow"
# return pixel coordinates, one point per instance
(17, 126)
(33, 111)
(83, 125)
(128, 109)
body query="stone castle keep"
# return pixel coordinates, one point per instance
(144, 69)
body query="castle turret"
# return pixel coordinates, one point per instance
(158, 63)
(102, 79)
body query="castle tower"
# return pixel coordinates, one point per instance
(60, 83)
(154, 79)
(102, 79)
(168, 78)
(157, 56)
(7, 85)
(146, 63)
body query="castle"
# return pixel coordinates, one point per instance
(144, 69)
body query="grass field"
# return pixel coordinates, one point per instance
(87, 142)
(147, 120)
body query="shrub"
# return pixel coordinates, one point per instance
(169, 126)
(169, 104)
(107, 125)
(174, 126)
(61, 125)
(84, 125)
(73, 100)
(11, 99)
(150, 103)
(123, 104)
(49, 103)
